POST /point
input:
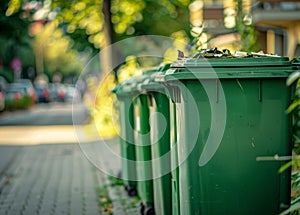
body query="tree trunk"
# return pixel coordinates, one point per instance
(106, 51)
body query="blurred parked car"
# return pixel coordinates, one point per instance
(2, 100)
(16, 97)
(15, 91)
(29, 89)
(57, 92)
(72, 94)
(43, 94)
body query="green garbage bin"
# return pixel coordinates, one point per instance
(159, 106)
(125, 104)
(231, 131)
(143, 144)
(172, 94)
(174, 161)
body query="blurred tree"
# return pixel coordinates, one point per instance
(14, 40)
(30, 24)
(55, 49)
(96, 23)
(245, 27)
(162, 18)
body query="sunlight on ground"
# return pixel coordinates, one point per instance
(33, 135)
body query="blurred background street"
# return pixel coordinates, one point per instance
(45, 179)
(44, 171)
(44, 114)
(44, 123)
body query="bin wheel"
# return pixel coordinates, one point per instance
(149, 211)
(142, 208)
(131, 191)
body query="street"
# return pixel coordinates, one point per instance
(46, 114)
(44, 123)
(43, 169)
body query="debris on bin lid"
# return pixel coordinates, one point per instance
(211, 53)
(225, 53)
(262, 54)
(296, 61)
(180, 55)
(240, 54)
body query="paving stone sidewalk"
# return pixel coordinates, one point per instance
(58, 179)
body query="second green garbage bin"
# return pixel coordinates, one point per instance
(143, 145)
(126, 117)
(159, 105)
(231, 131)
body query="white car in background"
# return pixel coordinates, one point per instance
(72, 94)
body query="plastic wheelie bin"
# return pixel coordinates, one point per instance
(143, 145)
(159, 106)
(231, 131)
(125, 104)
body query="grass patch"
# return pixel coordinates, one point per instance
(104, 202)
(115, 181)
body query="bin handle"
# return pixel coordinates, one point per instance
(275, 158)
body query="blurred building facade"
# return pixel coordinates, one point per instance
(277, 23)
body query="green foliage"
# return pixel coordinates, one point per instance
(14, 7)
(104, 202)
(14, 38)
(245, 28)
(295, 187)
(130, 203)
(12, 25)
(57, 53)
(285, 166)
(115, 181)
(83, 20)
(47, 46)
(163, 18)
(293, 208)
(125, 14)
(294, 109)
(7, 75)
(23, 103)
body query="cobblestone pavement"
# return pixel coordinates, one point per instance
(58, 179)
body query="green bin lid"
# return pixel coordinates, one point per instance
(211, 68)
(233, 62)
(164, 67)
(150, 85)
(149, 71)
(124, 88)
(136, 84)
(128, 87)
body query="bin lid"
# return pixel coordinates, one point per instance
(150, 85)
(134, 85)
(123, 89)
(233, 62)
(127, 88)
(149, 71)
(130, 87)
(164, 67)
(244, 67)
